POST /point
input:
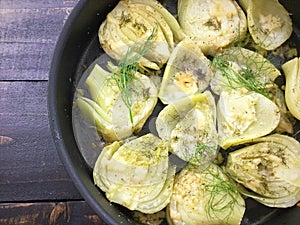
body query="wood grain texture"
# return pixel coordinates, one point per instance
(35, 189)
(48, 214)
(33, 4)
(28, 34)
(29, 162)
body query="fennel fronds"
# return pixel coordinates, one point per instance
(224, 195)
(203, 155)
(242, 70)
(127, 67)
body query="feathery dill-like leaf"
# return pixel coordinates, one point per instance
(127, 67)
(224, 194)
(242, 76)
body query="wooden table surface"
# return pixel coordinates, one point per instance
(34, 186)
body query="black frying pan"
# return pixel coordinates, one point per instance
(76, 49)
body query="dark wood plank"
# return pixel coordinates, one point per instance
(29, 164)
(33, 4)
(28, 34)
(25, 61)
(72, 213)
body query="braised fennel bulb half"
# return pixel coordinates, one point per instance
(269, 22)
(243, 116)
(133, 21)
(215, 23)
(291, 70)
(270, 170)
(243, 79)
(206, 197)
(136, 173)
(187, 72)
(239, 68)
(189, 125)
(117, 112)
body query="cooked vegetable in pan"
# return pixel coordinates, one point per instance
(221, 116)
(132, 21)
(188, 124)
(136, 173)
(214, 23)
(269, 168)
(269, 22)
(204, 198)
(188, 72)
(292, 91)
(109, 105)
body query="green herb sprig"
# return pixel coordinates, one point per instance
(203, 156)
(224, 194)
(127, 67)
(246, 76)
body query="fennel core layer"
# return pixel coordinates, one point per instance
(127, 67)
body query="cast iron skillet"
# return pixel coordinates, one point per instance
(77, 48)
